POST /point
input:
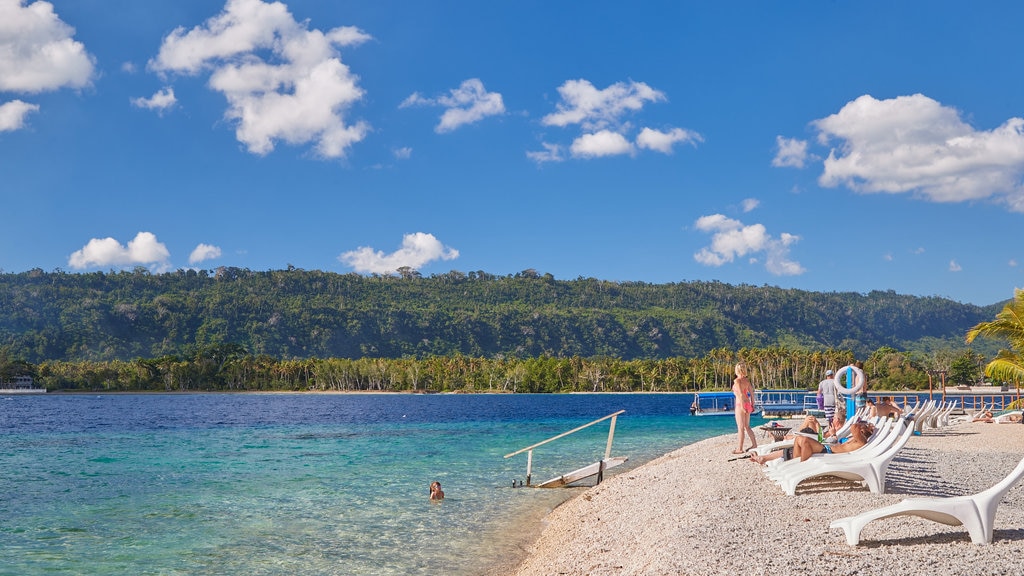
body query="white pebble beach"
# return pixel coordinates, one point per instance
(695, 511)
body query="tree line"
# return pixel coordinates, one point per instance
(229, 367)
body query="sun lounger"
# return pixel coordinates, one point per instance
(878, 442)
(868, 468)
(976, 513)
(921, 417)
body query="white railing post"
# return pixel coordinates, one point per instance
(611, 434)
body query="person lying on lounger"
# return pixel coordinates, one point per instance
(803, 446)
(1008, 418)
(985, 416)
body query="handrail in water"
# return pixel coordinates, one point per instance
(529, 449)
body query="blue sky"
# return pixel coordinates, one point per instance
(826, 146)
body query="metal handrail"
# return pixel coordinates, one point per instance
(529, 449)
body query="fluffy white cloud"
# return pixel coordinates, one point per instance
(732, 239)
(162, 100)
(13, 113)
(144, 250)
(468, 103)
(403, 153)
(792, 152)
(749, 204)
(600, 116)
(283, 81)
(203, 252)
(664, 141)
(603, 143)
(417, 250)
(595, 109)
(915, 144)
(954, 267)
(37, 50)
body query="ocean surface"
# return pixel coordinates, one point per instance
(290, 484)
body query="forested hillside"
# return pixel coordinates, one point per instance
(304, 314)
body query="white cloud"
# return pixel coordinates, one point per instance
(402, 153)
(916, 145)
(283, 81)
(663, 141)
(37, 50)
(603, 143)
(954, 267)
(749, 204)
(595, 109)
(1012, 263)
(468, 103)
(144, 250)
(551, 153)
(792, 152)
(888, 257)
(600, 116)
(417, 250)
(203, 252)
(732, 239)
(13, 113)
(162, 100)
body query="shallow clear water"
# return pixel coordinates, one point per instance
(280, 484)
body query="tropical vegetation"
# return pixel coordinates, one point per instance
(237, 329)
(1008, 326)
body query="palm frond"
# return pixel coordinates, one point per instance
(1008, 324)
(1007, 366)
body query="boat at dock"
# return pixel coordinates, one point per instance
(20, 385)
(716, 404)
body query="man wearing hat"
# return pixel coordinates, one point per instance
(827, 391)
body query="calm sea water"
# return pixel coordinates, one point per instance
(286, 484)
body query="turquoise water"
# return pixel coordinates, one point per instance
(280, 484)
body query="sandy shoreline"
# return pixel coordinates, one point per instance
(694, 512)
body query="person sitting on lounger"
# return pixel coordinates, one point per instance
(804, 447)
(810, 426)
(836, 424)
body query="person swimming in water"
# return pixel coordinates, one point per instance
(435, 491)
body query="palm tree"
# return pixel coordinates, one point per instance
(1008, 365)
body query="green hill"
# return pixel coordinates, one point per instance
(302, 314)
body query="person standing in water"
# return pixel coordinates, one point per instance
(435, 491)
(743, 391)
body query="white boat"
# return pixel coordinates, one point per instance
(21, 385)
(716, 404)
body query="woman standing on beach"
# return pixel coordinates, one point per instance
(743, 391)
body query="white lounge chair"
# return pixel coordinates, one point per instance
(869, 470)
(977, 513)
(923, 415)
(879, 441)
